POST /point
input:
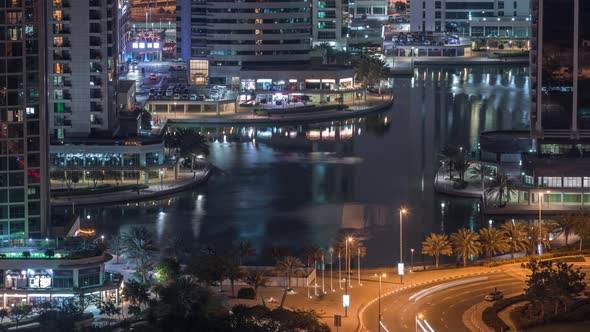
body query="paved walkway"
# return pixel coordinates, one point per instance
(373, 104)
(185, 180)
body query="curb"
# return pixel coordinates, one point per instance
(283, 120)
(147, 197)
(360, 312)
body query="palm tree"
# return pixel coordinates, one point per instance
(538, 236)
(116, 246)
(503, 189)
(244, 249)
(480, 170)
(176, 247)
(312, 253)
(465, 244)
(289, 265)
(515, 237)
(192, 144)
(448, 155)
(255, 279)
(371, 71)
(461, 166)
(582, 227)
(436, 245)
(328, 52)
(279, 252)
(566, 222)
(233, 273)
(493, 241)
(138, 246)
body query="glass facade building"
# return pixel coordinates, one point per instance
(560, 69)
(236, 34)
(23, 133)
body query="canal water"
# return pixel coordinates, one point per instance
(310, 184)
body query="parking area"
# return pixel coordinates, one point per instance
(167, 81)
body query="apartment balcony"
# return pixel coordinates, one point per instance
(95, 94)
(65, 43)
(61, 18)
(95, 28)
(61, 57)
(96, 82)
(95, 41)
(94, 15)
(94, 3)
(61, 122)
(96, 122)
(95, 68)
(61, 30)
(65, 96)
(95, 55)
(96, 108)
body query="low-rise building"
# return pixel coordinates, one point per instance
(35, 274)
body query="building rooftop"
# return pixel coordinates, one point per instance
(309, 68)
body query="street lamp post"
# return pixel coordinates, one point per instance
(358, 253)
(540, 224)
(339, 269)
(402, 211)
(331, 260)
(379, 318)
(349, 262)
(315, 280)
(323, 271)
(347, 280)
(412, 259)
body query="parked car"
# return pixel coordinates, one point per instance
(153, 76)
(494, 296)
(169, 93)
(185, 96)
(193, 97)
(176, 96)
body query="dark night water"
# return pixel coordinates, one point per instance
(295, 185)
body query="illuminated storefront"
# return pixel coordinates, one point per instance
(35, 279)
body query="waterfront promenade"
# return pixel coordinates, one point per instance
(245, 115)
(185, 180)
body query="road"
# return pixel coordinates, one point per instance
(442, 310)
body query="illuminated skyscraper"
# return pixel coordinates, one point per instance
(23, 123)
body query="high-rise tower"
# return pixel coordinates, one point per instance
(23, 123)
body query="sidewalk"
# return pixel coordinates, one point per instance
(373, 104)
(185, 180)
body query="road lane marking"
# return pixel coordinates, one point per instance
(425, 292)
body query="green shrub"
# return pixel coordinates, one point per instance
(490, 315)
(246, 293)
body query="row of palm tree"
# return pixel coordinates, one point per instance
(501, 190)
(185, 143)
(510, 237)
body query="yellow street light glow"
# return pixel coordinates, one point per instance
(349, 239)
(420, 316)
(403, 210)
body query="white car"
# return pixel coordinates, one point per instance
(193, 97)
(494, 296)
(169, 93)
(176, 96)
